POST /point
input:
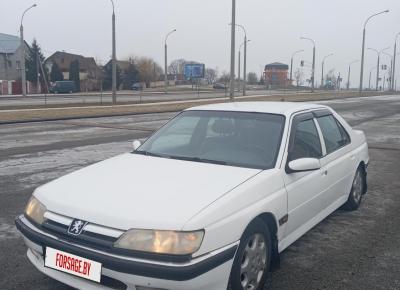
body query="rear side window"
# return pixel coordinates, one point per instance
(306, 142)
(334, 134)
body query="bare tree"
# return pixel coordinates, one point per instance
(252, 78)
(331, 80)
(224, 78)
(299, 76)
(148, 69)
(176, 66)
(211, 75)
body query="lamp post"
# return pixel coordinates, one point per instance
(363, 48)
(370, 74)
(313, 63)
(323, 64)
(291, 64)
(379, 59)
(348, 76)
(233, 40)
(244, 66)
(394, 61)
(166, 61)
(390, 71)
(21, 31)
(114, 58)
(245, 58)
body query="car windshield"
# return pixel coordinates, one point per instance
(240, 139)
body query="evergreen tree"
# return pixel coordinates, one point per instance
(74, 74)
(34, 62)
(55, 73)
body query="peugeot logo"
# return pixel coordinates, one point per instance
(76, 227)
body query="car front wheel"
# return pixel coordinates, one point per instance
(252, 260)
(357, 189)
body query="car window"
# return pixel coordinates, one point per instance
(306, 142)
(334, 134)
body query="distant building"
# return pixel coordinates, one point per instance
(10, 63)
(89, 73)
(276, 74)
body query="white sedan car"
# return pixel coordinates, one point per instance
(207, 202)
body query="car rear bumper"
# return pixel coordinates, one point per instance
(210, 271)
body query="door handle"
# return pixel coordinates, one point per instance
(325, 172)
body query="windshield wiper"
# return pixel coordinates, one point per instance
(198, 159)
(147, 153)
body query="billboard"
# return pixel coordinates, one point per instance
(193, 71)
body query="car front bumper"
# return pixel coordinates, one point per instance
(210, 271)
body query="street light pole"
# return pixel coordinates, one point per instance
(166, 61)
(114, 59)
(379, 59)
(23, 72)
(239, 66)
(233, 32)
(313, 64)
(363, 49)
(348, 76)
(370, 74)
(394, 61)
(291, 65)
(244, 65)
(323, 64)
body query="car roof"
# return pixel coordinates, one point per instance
(282, 108)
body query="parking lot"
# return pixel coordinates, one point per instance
(349, 250)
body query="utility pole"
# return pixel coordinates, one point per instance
(239, 69)
(166, 61)
(245, 64)
(114, 59)
(233, 30)
(379, 59)
(23, 71)
(291, 65)
(323, 64)
(370, 75)
(363, 49)
(348, 76)
(37, 73)
(313, 64)
(394, 62)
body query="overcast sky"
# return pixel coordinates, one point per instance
(274, 27)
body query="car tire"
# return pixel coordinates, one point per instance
(356, 192)
(253, 258)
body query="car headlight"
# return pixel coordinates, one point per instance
(35, 210)
(162, 242)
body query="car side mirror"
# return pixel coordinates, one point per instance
(136, 144)
(303, 165)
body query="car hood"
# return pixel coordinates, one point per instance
(136, 191)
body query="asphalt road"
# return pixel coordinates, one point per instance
(122, 97)
(348, 250)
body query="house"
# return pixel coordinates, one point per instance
(276, 75)
(90, 74)
(10, 63)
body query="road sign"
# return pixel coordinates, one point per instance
(194, 71)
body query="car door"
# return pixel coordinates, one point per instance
(303, 188)
(338, 163)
